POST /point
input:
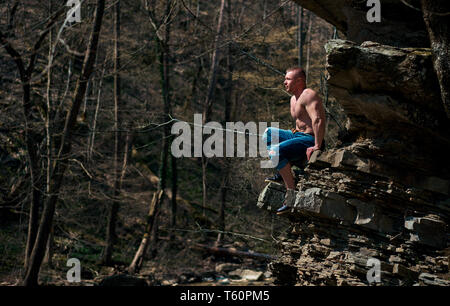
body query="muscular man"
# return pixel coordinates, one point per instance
(309, 114)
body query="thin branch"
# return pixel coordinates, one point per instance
(82, 167)
(14, 54)
(57, 40)
(11, 16)
(195, 16)
(69, 50)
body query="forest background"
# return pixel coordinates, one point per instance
(86, 170)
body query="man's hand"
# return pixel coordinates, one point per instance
(310, 150)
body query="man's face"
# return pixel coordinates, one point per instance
(291, 81)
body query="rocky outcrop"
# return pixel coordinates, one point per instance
(383, 195)
(400, 25)
(391, 97)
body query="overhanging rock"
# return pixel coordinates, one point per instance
(350, 17)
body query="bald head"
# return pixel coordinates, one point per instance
(295, 80)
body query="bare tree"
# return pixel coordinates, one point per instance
(32, 145)
(48, 133)
(227, 118)
(162, 43)
(114, 208)
(174, 190)
(60, 164)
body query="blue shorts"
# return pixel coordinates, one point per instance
(290, 146)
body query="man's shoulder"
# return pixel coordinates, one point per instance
(309, 92)
(309, 95)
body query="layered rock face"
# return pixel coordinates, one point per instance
(382, 198)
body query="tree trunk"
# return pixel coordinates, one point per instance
(32, 147)
(37, 255)
(207, 109)
(300, 36)
(228, 96)
(164, 52)
(192, 96)
(138, 259)
(162, 44)
(214, 67)
(264, 9)
(36, 184)
(174, 190)
(50, 243)
(94, 120)
(308, 55)
(436, 14)
(48, 130)
(114, 208)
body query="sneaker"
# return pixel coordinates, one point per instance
(283, 209)
(289, 200)
(276, 178)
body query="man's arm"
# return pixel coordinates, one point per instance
(316, 112)
(292, 106)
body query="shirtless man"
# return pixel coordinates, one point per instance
(309, 114)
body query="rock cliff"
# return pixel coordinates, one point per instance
(383, 195)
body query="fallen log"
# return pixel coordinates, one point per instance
(231, 252)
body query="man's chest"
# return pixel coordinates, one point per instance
(298, 109)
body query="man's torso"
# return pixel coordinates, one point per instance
(303, 122)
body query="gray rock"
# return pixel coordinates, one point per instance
(359, 72)
(247, 274)
(371, 217)
(319, 159)
(433, 280)
(344, 158)
(272, 196)
(403, 96)
(309, 200)
(327, 204)
(226, 267)
(409, 222)
(427, 231)
(404, 272)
